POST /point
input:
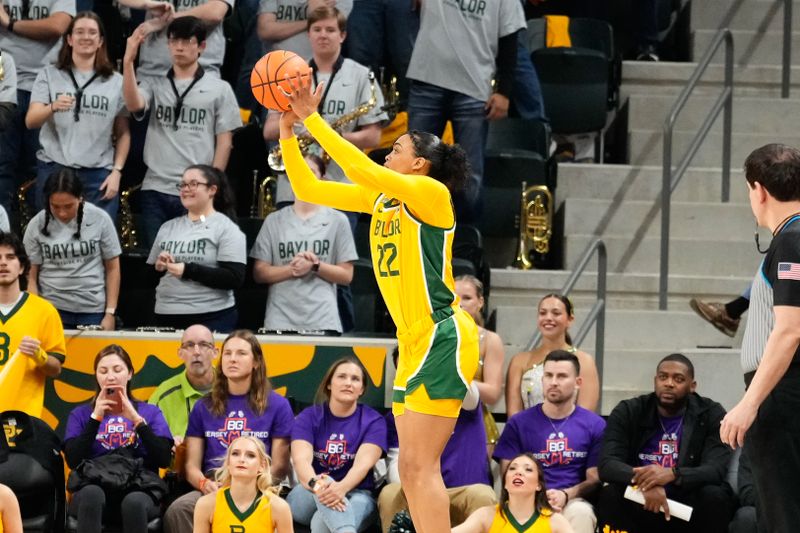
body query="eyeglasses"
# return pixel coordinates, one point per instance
(204, 346)
(191, 185)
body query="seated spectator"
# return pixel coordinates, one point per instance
(78, 105)
(114, 419)
(74, 251)
(335, 445)
(177, 395)
(241, 403)
(247, 485)
(465, 470)
(28, 31)
(10, 518)
(8, 91)
(524, 378)
(489, 378)
(565, 438)
(744, 521)
(202, 254)
(303, 252)
(523, 504)
(667, 443)
(192, 120)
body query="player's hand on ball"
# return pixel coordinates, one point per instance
(303, 100)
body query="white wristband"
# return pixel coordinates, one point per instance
(111, 310)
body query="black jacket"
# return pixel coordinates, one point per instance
(702, 457)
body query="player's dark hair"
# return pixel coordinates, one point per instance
(102, 64)
(260, 387)
(563, 355)
(324, 392)
(678, 358)
(540, 502)
(324, 13)
(567, 306)
(12, 241)
(448, 162)
(224, 201)
(186, 28)
(777, 168)
(64, 180)
(119, 351)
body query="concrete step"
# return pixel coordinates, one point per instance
(687, 256)
(750, 114)
(663, 77)
(742, 15)
(750, 47)
(624, 183)
(646, 147)
(717, 221)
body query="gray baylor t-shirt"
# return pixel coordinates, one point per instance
(307, 303)
(457, 43)
(350, 89)
(86, 143)
(292, 11)
(8, 85)
(208, 108)
(154, 56)
(4, 223)
(72, 274)
(29, 54)
(205, 242)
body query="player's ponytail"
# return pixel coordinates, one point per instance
(448, 163)
(224, 201)
(64, 180)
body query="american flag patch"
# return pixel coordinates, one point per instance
(789, 271)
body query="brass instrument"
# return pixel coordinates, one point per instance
(391, 97)
(127, 227)
(535, 224)
(266, 196)
(305, 140)
(2, 68)
(24, 209)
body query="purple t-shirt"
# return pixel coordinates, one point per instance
(464, 459)
(239, 420)
(661, 448)
(116, 431)
(565, 447)
(336, 440)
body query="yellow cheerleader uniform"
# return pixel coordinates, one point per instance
(229, 519)
(504, 522)
(411, 238)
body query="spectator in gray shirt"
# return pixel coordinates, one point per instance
(202, 255)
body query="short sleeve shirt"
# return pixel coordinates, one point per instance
(28, 53)
(72, 270)
(87, 142)
(565, 448)
(309, 302)
(209, 108)
(336, 440)
(207, 241)
(8, 85)
(293, 11)
(458, 41)
(176, 398)
(777, 282)
(4, 223)
(238, 421)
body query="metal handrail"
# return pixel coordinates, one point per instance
(597, 314)
(670, 178)
(787, 48)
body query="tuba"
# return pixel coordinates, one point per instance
(24, 208)
(127, 227)
(535, 224)
(306, 140)
(264, 200)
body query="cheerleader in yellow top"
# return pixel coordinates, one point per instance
(10, 519)
(411, 236)
(245, 503)
(523, 506)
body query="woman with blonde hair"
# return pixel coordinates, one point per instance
(247, 497)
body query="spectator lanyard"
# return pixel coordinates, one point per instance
(337, 65)
(76, 110)
(179, 97)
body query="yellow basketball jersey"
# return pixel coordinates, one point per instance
(35, 317)
(229, 519)
(505, 523)
(412, 262)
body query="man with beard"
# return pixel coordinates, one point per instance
(30, 328)
(667, 444)
(564, 437)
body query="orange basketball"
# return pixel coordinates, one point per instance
(270, 73)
